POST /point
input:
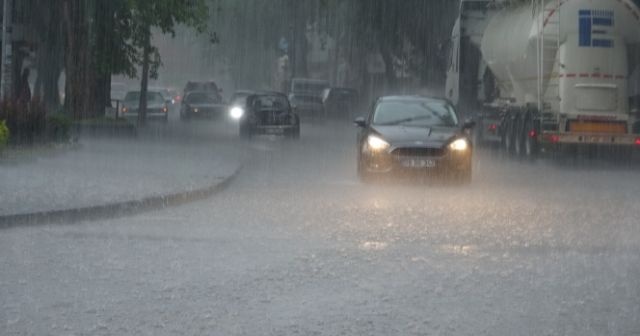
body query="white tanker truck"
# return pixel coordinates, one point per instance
(542, 75)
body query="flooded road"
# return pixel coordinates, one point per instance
(298, 246)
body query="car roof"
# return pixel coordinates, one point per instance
(411, 97)
(202, 82)
(148, 91)
(309, 80)
(268, 93)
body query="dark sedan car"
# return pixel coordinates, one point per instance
(202, 105)
(410, 134)
(157, 108)
(267, 113)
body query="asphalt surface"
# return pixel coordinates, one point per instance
(298, 246)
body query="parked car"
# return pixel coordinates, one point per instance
(306, 96)
(202, 104)
(118, 90)
(265, 113)
(340, 102)
(156, 106)
(412, 134)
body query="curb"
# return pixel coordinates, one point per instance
(119, 209)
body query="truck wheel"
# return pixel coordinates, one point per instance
(530, 149)
(518, 138)
(507, 136)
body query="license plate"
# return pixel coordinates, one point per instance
(597, 139)
(418, 163)
(275, 131)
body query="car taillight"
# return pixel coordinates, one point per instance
(637, 142)
(532, 133)
(493, 128)
(554, 138)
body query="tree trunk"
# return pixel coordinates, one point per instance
(47, 23)
(74, 57)
(104, 23)
(144, 83)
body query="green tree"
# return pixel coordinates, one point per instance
(105, 37)
(140, 17)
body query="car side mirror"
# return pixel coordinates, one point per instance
(360, 122)
(469, 124)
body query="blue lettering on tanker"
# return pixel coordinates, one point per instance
(593, 25)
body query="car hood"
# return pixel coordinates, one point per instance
(413, 136)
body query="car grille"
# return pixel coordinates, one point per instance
(418, 152)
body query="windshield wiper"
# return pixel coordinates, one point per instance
(406, 120)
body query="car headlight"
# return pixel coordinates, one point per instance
(236, 112)
(459, 145)
(376, 143)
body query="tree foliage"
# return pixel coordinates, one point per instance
(106, 37)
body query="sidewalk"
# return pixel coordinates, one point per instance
(106, 172)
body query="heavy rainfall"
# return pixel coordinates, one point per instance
(320, 167)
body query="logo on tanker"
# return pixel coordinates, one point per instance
(594, 28)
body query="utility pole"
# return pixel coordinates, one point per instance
(7, 53)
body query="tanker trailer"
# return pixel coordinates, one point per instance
(551, 75)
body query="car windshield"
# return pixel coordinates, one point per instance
(309, 87)
(200, 98)
(415, 112)
(201, 86)
(269, 102)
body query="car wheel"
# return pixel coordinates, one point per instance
(477, 136)
(363, 175)
(295, 133)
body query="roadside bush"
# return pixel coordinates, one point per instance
(4, 134)
(59, 127)
(26, 122)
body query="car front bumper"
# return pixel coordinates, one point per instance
(275, 129)
(386, 162)
(149, 115)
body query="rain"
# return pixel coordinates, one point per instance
(320, 167)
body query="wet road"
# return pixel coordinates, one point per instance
(297, 246)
